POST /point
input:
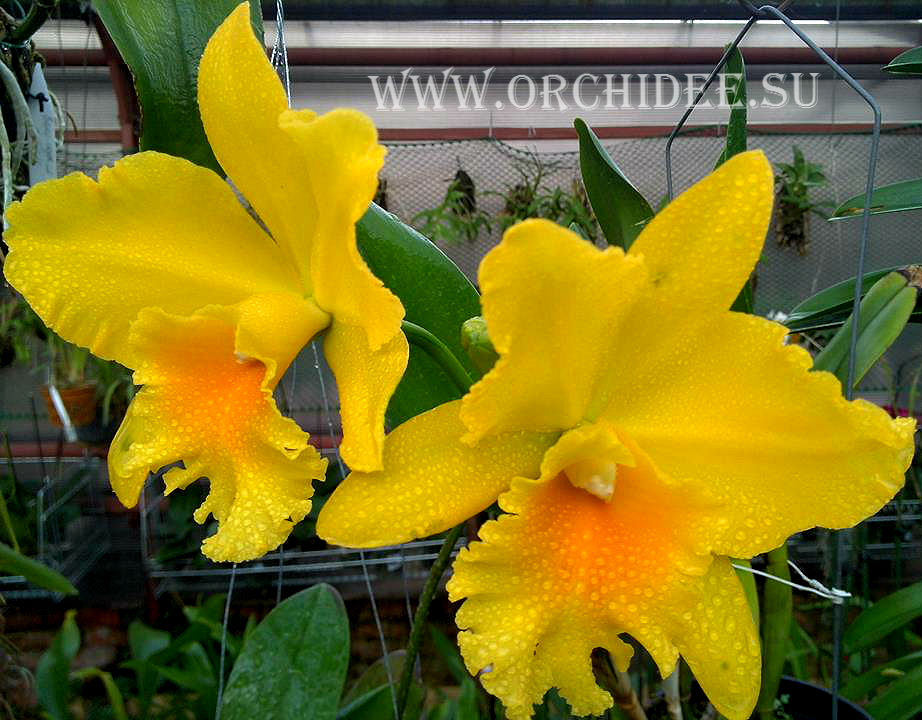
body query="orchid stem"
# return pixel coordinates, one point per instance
(422, 612)
(438, 351)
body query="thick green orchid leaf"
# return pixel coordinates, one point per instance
(735, 69)
(884, 312)
(618, 206)
(15, 563)
(162, 43)
(832, 306)
(294, 663)
(907, 63)
(888, 614)
(436, 295)
(898, 197)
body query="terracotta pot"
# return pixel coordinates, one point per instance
(80, 403)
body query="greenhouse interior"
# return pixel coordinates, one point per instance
(457, 360)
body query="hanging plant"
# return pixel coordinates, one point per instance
(793, 185)
(456, 218)
(530, 199)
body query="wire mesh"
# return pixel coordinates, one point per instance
(71, 533)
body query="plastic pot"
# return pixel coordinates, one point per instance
(79, 401)
(806, 701)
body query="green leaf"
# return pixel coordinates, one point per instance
(468, 706)
(144, 642)
(907, 63)
(294, 663)
(113, 694)
(15, 563)
(865, 684)
(884, 312)
(52, 676)
(436, 296)
(376, 675)
(618, 206)
(831, 307)
(378, 704)
(905, 195)
(882, 618)
(736, 99)
(901, 701)
(162, 43)
(448, 650)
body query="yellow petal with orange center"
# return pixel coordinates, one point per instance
(209, 405)
(553, 304)
(567, 572)
(703, 246)
(154, 231)
(366, 379)
(430, 481)
(730, 410)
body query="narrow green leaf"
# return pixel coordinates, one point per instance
(907, 63)
(436, 296)
(618, 206)
(882, 618)
(468, 707)
(901, 701)
(52, 676)
(898, 197)
(450, 654)
(144, 642)
(865, 684)
(735, 97)
(113, 694)
(832, 300)
(162, 43)
(294, 663)
(15, 563)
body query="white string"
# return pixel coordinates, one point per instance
(813, 586)
(227, 604)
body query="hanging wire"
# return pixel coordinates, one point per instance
(368, 586)
(227, 606)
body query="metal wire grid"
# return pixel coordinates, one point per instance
(72, 534)
(387, 567)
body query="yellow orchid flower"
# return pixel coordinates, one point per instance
(159, 267)
(638, 435)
